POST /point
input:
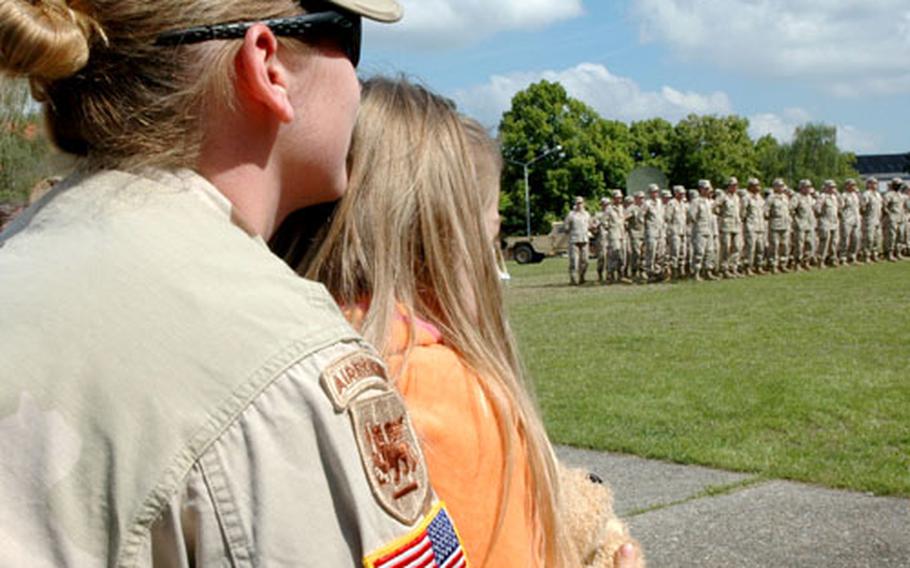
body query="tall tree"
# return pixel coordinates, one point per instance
(652, 144)
(814, 154)
(712, 147)
(595, 154)
(771, 159)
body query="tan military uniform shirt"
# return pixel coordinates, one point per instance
(578, 224)
(173, 395)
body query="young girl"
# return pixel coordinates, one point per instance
(410, 254)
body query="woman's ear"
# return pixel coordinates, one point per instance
(262, 80)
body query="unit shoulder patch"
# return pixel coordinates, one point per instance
(391, 455)
(346, 378)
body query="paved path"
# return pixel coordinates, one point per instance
(701, 517)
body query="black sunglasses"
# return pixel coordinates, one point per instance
(339, 27)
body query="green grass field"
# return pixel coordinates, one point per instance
(799, 376)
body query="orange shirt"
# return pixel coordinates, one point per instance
(461, 442)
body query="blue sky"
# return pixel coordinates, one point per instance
(779, 63)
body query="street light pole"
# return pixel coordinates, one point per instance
(525, 166)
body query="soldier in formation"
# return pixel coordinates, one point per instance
(678, 234)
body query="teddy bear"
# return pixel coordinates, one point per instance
(587, 511)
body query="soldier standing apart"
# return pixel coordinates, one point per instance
(871, 210)
(635, 230)
(801, 210)
(850, 234)
(777, 211)
(893, 209)
(702, 232)
(598, 228)
(754, 228)
(654, 222)
(577, 225)
(728, 217)
(676, 230)
(827, 211)
(615, 235)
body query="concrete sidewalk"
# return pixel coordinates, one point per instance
(701, 517)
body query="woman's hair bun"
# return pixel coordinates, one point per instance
(44, 39)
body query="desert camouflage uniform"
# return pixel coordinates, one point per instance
(777, 211)
(676, 235)
(635, 230)
(577, 224)
(827, 214)
(850, 226)
(728, 218)
(801, 210)
(871, 209)
(615, 234)
(654, 230)
(753, 231)
(893, 216)
(702, 236)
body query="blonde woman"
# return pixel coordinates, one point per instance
(410, 253)
(161, 400)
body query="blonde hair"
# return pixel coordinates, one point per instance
(110, 94)
(409, 234)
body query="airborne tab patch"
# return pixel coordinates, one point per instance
(348, 377)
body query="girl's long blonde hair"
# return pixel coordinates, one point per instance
(409, 234)
(110, 94)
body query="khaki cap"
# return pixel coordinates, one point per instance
(653, 188)
(732, 181)
(639, 194)
(679, 189)
(604, 200)
(778, 182)
(379, 10)
(753, 182)
(579, 199)
(616, 193)
(704, 184)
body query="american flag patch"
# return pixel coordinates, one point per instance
(434, 544)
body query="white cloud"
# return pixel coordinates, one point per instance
(612, 96)
(782, 127)
(854, 47)
(437, 24)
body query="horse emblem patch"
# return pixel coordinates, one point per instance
(391, 456)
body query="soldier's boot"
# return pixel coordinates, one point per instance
(783, 268)
(747, 271)
(709, 275)
(874, 257)
(696, 275)
(773, 269)
(600, 277)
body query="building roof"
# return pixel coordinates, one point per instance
(874, 164)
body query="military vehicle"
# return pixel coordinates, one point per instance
(535, 248)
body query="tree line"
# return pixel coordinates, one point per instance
(599, 154)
